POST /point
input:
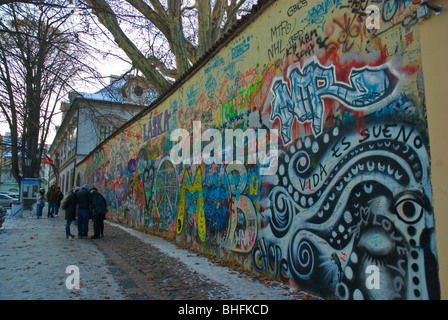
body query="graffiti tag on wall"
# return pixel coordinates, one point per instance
(309, 85)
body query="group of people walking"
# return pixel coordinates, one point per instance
(80, 205)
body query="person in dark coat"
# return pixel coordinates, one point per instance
(99, 210)
(58, 204)
(52, 199)
(84, 202)
(69, 205)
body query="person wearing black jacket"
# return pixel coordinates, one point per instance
(99, 210)
(69, 205)
(58, 204)
(84, 203)
(52, 198)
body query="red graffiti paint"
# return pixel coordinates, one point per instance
(409, 38)
(408, 70)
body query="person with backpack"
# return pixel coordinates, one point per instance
(99, 210)
(69, 205)
(58, 204)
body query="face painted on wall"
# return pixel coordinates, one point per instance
(381, 238)
(365, 210)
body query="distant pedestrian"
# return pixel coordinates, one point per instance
(77, 188)
(52, 199)
(40, 202)
(69, 205)
(99, 210)
(83, 201)
(60, 197)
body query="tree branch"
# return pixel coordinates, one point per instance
(107, 17)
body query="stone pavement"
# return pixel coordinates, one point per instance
(124, 265)
(145, 272)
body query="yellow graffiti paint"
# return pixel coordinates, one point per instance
(200, 215)
(155, 212)
(253, 185)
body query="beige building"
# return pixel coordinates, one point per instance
(434, 44)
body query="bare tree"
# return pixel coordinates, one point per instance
(177, 32)
(41, 59)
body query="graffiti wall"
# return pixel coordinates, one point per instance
(344, 207)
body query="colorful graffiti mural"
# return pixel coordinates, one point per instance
(347, 213)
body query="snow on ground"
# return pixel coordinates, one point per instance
(35, 255)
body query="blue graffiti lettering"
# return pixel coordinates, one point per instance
(303, 102)
(155, 126)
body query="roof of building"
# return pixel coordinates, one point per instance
(125, 89)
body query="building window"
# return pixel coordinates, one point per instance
(138, 91)
(105, 131)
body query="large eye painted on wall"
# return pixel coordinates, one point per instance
(409, 206)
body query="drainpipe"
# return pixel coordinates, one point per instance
(76, 148)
